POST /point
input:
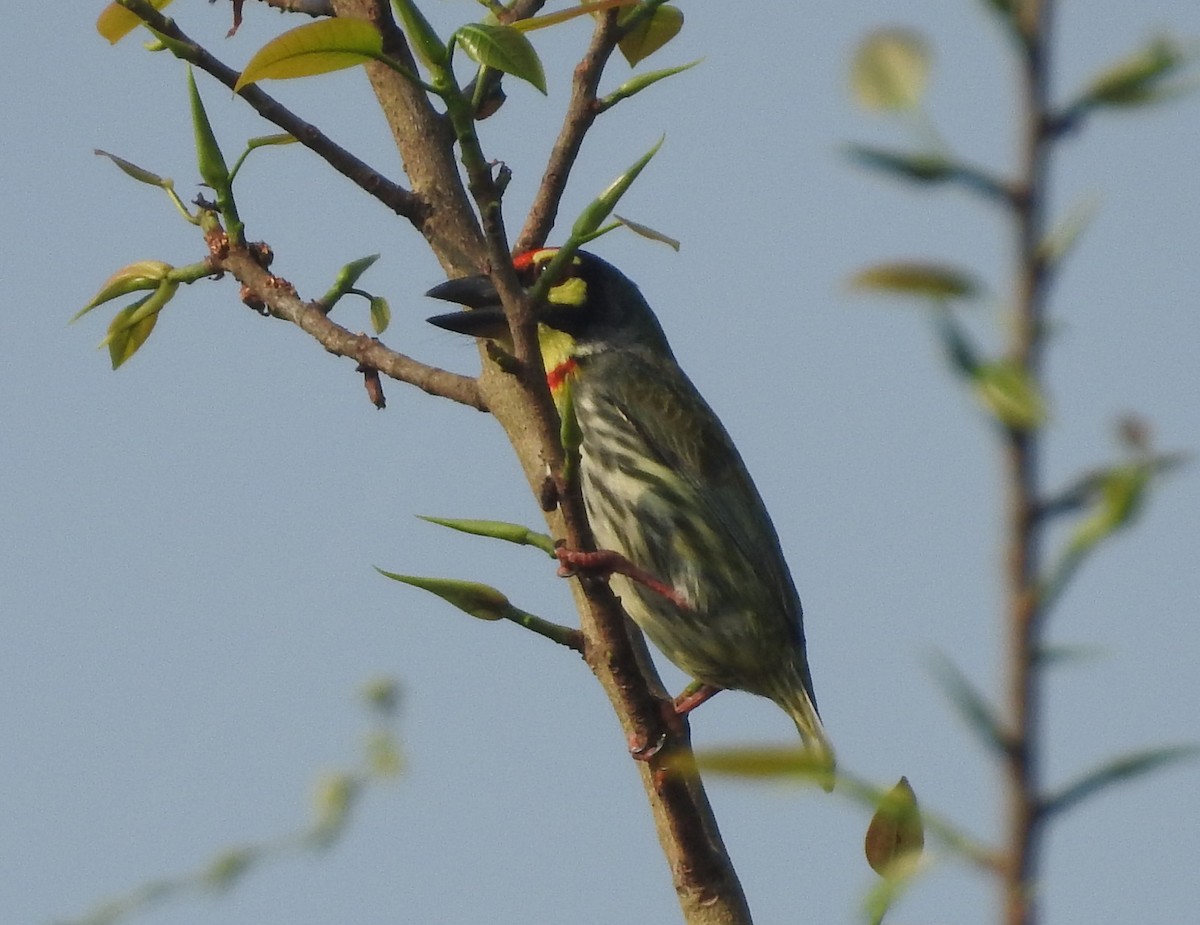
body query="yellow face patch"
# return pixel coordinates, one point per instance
(572, 291)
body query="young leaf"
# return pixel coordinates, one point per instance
(504, 49)
(381, 314)
(209, 158)
(346, 278)
(647, 232)
(499, 530)
(922, 168)
(896, 834)
(314, 48)
(593, 216)
(144, 274)
(1116, 771)
(1136, 80)
(421, 35)
(925, 280)
(479, 600)
(115, 22)
(651, 33)
(1010, 393)
(890, 70)
(141, 174)
(640, 82)
(553, 19)
(126, 335)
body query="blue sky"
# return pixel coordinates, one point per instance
(188, 602)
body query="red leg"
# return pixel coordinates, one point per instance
(606, 562)
(693, 695)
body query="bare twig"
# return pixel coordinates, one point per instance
(391, 194)
(278, 297)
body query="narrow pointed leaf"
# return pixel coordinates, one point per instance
(651, 33)
(926, 280)
(1062, 237)
(504, 49)
(115, 22)
(971, 705)
(598, 210)
(896, 834)
(333, 799)
(1009, 392)
(499, 530)
(314, 48)
(381, 314)
(1138, 79)
(209, 158)
(1118, 771)
(262, 141)
(141, 174)
(346, 278)
(479, 600)
(647, 232)
(890, 70)
(640, 82)
(921, 168)
(1049, 655)
(228, 867)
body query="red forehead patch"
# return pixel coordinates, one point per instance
(525, 260)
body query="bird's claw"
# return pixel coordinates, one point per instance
(606, 563)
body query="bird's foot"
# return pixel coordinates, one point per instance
(606, 563)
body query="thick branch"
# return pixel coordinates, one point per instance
(391, 194)
(278, 297)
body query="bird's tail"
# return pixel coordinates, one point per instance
(800, 707)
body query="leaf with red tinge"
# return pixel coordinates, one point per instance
(896, 834)
(115, 22)
(315, 48)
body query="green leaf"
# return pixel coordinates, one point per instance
(262, 141)
(383, 756)
(381, 314)
(346, 278)
(333, 799)
(128, 332)
(314, 48)
(1117, 771)
(640, 82)
(115, 22)
(651, 33)
(593, 216)
(228, 867)
(209, 158)
(922, 168)
(1137, 79)
(1062, 237)
(1049, 655)
(647, 232)
(896, 834)
(1009, 392)
(890, 70)
(479, 600)
(141, 174)
(144, 274)
(504, 49)
(499, 530)
(1120, 492)
(971, 705)
(925, 280)
(553, 19)
(765, 762)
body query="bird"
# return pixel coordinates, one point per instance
(664, 488)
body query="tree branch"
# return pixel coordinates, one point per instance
(278, 298)
(391, 194)
(581, 113)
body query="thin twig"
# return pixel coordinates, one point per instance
(581, 113)
(278, 298)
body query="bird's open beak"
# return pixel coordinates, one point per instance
(486, 317)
